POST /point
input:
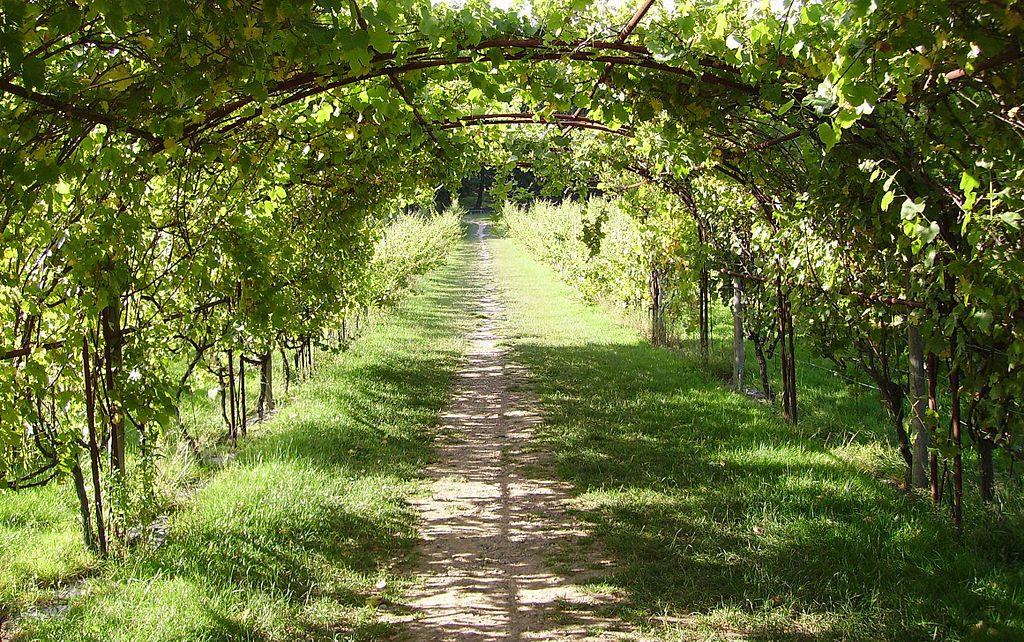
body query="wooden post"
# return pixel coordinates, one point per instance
(657, 314)
(792, 361)
(232, 422)
(287, 370)
(918, 406)
(241, 376)
(739, 356)
(703, 313)
(783, 352)
(933, 405)
(954, 417)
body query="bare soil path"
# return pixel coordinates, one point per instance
(495, 523)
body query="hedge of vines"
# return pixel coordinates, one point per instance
(629, 255)
(229, 335)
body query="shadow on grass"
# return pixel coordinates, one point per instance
(388, 408)
(717, 508)
(288, 541)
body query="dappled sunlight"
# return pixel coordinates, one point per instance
(723, 516)
(266, 372)
(491, 523)
(290, 538)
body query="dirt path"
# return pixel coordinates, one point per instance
(494, 520)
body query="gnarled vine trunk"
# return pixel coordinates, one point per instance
(762, 366)
(110, 322)
(95, 458)
(658, 331)
(986, 448)
(265, 403)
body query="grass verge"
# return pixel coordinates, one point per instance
(295, 538)
(727, 521)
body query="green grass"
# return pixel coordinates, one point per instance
(40, 534)
(40, 544)
(726, 519)
(288, 541)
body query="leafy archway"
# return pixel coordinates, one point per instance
(187, 177)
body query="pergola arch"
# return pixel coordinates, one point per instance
(762, 133)
(528, 118)
(511, 47)
(308, 85)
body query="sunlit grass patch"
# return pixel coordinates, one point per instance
(40, 543)
(164, 608)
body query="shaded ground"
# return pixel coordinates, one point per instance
(493, 521)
